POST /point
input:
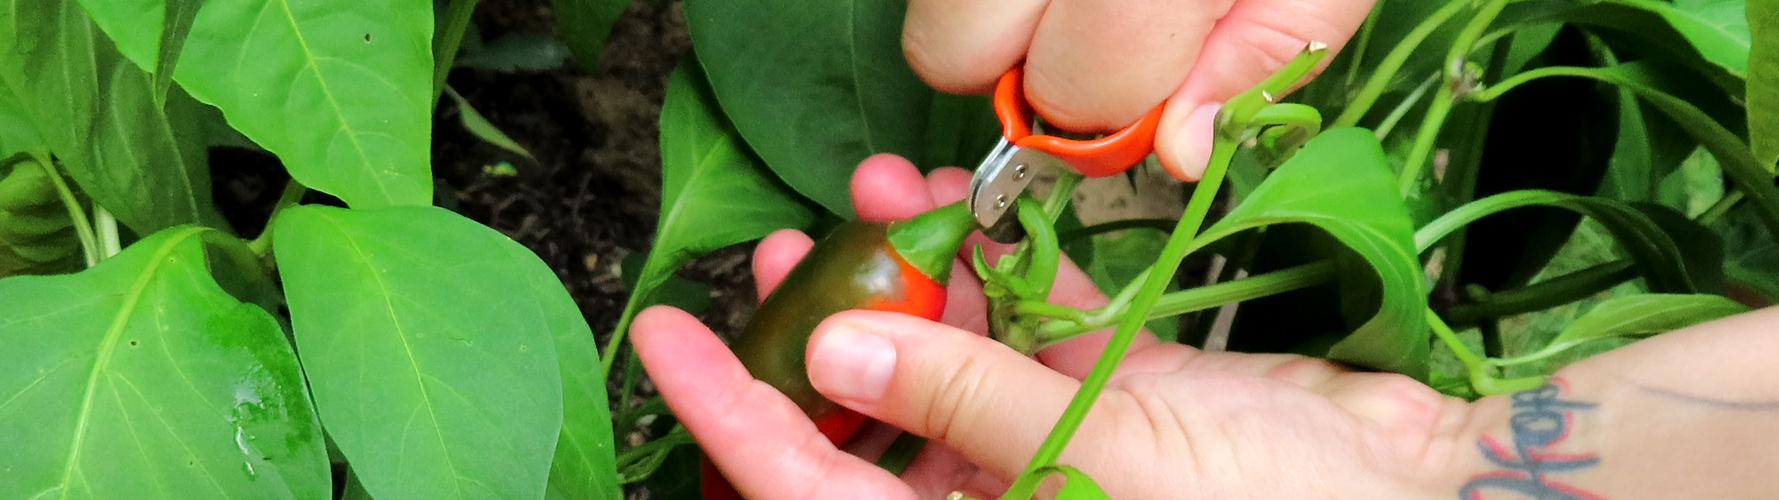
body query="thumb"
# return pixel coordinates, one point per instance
(981, 398)
(1256, 38)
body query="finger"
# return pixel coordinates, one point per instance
(776, 255)
(759, 439)
(970, 392)
(962, 47)
(887, 187)
(1099, 65)
(1072, 288)
(1255, 39)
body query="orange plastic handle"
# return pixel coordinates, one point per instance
(1093, 158)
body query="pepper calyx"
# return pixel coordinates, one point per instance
(930, 241)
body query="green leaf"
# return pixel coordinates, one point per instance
(1341, 183)
(16, 132)
(1639, 315)
(585, 24)
(148, 32)
(141, 378)
(714, 192)
(1751, 257)
(432, 362)
(478, 125)
(97, 114)
(340, 91)
(960, 131)
(585, 464)
(1716, 28)
(1120, 258)
(1763, 80)
(815, 87)
(517, 51)
(687, 295)
(1077, 486)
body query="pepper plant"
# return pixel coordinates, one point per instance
(1434, 225)
(379, 347)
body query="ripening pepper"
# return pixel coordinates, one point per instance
(898, 267)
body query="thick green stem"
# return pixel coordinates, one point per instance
(445, 42)
(1386, 70)
(83, 227)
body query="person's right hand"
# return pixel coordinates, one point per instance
(1174, 422)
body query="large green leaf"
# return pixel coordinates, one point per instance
(432, 363)
(16, 132)
(97, 113)
(148, 32)
(1341, 183)
(585, 24)
(1763, 80)
(141, 378)
(714, 191)
(585, 464)
(1120, 258)
(815, 87)
(340, 91)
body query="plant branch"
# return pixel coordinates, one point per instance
(293, 193)
(1386, 70)
(1545, 294)
(1401, 110)
(1196, 299)
(1456, 86)
(83, 227)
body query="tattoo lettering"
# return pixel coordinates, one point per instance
(1541, 419)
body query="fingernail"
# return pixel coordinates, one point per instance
(1194, 142)
(850, 364)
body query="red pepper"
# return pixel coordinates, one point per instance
(897, 267)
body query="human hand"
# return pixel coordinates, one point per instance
(1098, 66)
(1173, 422)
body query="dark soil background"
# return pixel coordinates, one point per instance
(592, 195)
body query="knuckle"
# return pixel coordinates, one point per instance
(948, 413)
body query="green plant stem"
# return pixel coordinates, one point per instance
(293, 193)
(1722, 207)
(1386, 70)
(901, 452)
(1545, 294)
(1472, 363)
(1246, 247)
(83, 227)
(1152, 286)
(1401, 110)
(1360, 43)
(1196, 299)
(1495, 91)
(109, 244)
(1447, 94)
(1481, 378)
(445, 42)
(1163, 225)
(1491, 338)
(1049, 310)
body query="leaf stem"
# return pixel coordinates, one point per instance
(109, 244)
(1455, 82)
(1722, 207)
(1386, 70)
(445, 42)
(1195, 299)
(1545, 294)
(293, 193)
(83, 227)
(1401, 110)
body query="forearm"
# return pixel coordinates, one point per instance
(1689, 414)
